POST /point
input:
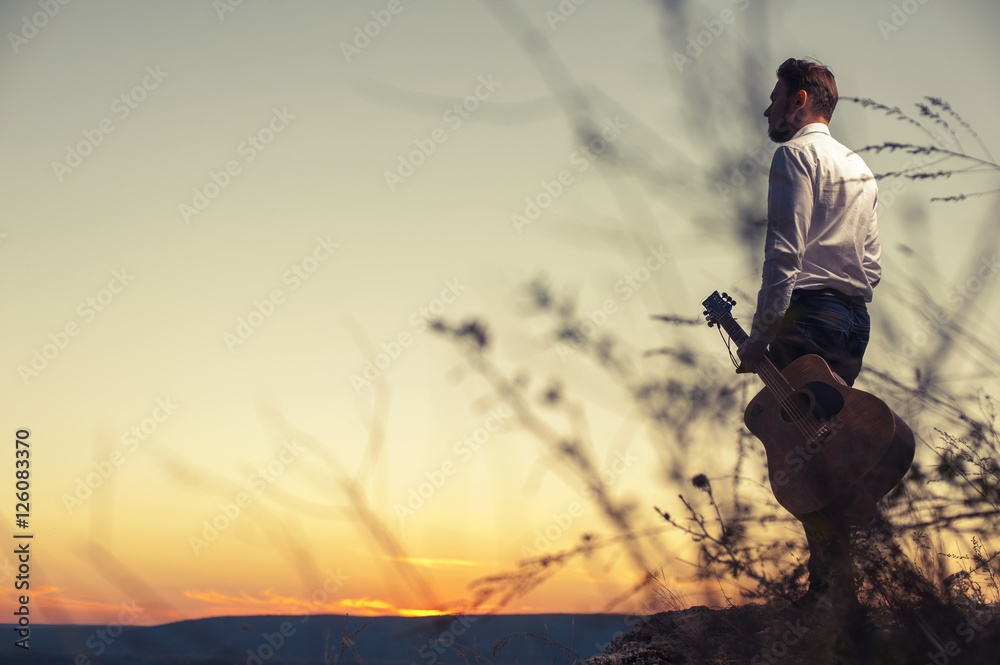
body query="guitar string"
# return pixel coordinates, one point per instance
(810, 430)
(810, 427)
(767, 370)
(801, 420)
(798, 417)
(784, 401)
(806, 422)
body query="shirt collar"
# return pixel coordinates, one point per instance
(813, 127)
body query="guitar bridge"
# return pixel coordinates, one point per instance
(825, 431)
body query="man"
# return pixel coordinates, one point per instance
(821, 264)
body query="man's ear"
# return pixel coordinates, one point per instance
(801, 100)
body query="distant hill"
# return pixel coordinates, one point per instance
(271, 640)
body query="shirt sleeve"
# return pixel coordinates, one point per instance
(789, 210)
(873, 251)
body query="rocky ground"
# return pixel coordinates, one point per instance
(759, 634)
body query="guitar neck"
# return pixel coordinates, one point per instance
(719, 312)
(766, 370)
(733, 329)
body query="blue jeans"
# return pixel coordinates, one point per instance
(836, 328)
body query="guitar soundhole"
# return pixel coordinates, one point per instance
(796, 407)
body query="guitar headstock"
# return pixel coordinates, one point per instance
(717, 306)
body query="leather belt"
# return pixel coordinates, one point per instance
(798, 293)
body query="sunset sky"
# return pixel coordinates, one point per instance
(226, 225)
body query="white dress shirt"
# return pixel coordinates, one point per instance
(822, 230)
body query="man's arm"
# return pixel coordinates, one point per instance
(873, 250)
(789, 211)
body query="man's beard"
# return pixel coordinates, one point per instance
(781, 132)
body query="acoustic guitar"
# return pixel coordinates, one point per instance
(825, 442)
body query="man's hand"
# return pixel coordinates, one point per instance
(751, 354)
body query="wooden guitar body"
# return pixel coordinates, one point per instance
(827, 442)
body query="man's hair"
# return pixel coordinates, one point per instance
(816, 79)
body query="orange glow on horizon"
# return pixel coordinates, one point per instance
(271, 603)
(374, 608)
(56, 606)
(435, 563)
